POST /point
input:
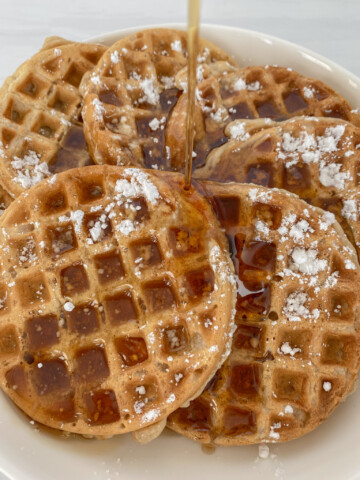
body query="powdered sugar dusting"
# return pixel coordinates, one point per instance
(137, 184)
(240, 84)
(327, 386)
(306, 261)
(286, 349)
(125, 227)
(176, 46)
(29, 169)
(349, 210)
(150, 416)
(114, 57)
(310, 148)
(330, 176)
(294, 308)
(99, 110)
(237, 131)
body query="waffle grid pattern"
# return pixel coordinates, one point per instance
(132, 91)
(276, 155)
(40, 110)
(123, 351)
(279, 93)
(286, 371)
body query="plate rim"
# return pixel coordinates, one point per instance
(275, 41)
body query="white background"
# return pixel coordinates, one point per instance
(329, 27)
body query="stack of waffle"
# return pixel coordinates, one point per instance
(228, 312)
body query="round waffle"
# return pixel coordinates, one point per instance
(279, 93)
(40, 123)
(316, 158)
(131, 94)
(135, 109)
(270, 92)
(296, 349)
(117, 298)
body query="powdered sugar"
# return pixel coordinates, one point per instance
(220, 115)
(330, 176)
(306, 261)
(286, 349)
(125, 227)
(150, 416)
(77, 218)
(297, 230)
(156, 123)
(349, 265)
(29, 169)
(262, 230)
(308, 92)
(240, 84)
(150, 90)
(69, 307)
(237, 131)
(326, 220)
(168, 82)
(275, 435)
(327, 386)
(97, 228)
(349, 210)
(137, 184)
(176, 46)
(257, 195)
(114, 57)
(99, 110)
(294, 308)
(310, 148)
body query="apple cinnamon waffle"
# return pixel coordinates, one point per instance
(40, 123)
(316, 158)
(131, 94)
(117, 299)
(296, 349)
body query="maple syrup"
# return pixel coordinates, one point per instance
(193, 46)
(208, 448)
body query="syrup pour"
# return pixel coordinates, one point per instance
(193, 47)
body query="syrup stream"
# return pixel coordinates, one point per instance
(193, 46)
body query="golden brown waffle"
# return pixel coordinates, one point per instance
(316, 158)
(122, 127)
(296, 349)
(132, 92)
(250, 93)
(5, 200)
(117, 298)
(40, 123)
(349, 203)
(279, 93)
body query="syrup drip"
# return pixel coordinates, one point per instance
(193, 46)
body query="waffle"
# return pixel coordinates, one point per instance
(279, 93)
(130, 96)
(117, 300)
(121, 127)
(296, 349)
(40, 123)
(316, 158)
(5, 200)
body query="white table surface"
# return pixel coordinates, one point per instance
(329, 27)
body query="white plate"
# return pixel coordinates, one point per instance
(331, 452)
